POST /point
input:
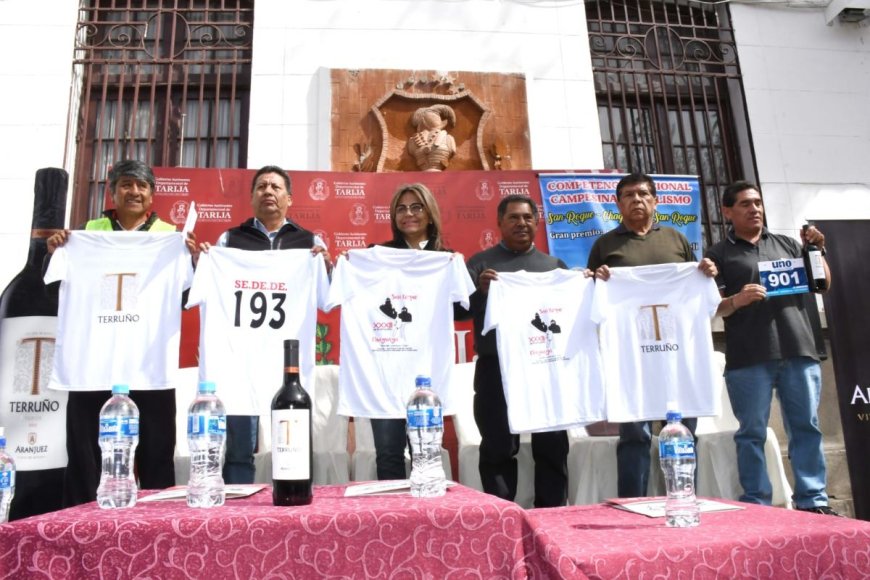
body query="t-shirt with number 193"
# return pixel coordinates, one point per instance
(249, 303)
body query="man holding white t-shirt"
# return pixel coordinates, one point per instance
(131, 185)
(518, 223)
(268, 229)
(639, 241)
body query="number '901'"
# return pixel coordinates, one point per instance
(775, 279)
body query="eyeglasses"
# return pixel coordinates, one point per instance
(413, 209)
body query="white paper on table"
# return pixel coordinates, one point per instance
(389, 487)
(180, 492)
(654, 507)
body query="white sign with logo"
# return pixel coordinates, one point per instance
(785, 276)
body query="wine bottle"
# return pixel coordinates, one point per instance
(814, 267)
(33, 415)
(291, 435)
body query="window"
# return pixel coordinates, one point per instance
(165, 82)
(670, 96)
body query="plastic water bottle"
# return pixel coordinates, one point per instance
(7, 479)
(425, 429)
(119, 435)
(207, 439)
(677, 454)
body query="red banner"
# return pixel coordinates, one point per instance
(347, 210)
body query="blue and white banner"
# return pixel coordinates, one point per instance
(579, 207)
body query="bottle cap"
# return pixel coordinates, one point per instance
(423, 382)
(120, 389)
(674, 416)
(206, 387)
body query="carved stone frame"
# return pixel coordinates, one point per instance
(395, 134)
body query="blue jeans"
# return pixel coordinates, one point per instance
(241, 445)
(391, 438)
(798, 384)
(633, 458)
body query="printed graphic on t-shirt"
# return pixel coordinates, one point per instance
(656, 342)
(250, 302)
(389, 327)
(118, 292)
(544, 335)
(396, 323)
(657, 328)
(547, 349)
(120, 298)
(254, 308)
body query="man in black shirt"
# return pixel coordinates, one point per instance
(769, 344)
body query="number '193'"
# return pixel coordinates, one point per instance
(259, 308)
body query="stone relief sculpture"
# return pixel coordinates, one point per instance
(432, 146)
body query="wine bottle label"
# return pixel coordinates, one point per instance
(201, 424)
(291, 444)
(119, 426)
(424, 417)
(34, 415)
(818, 270)
(7, 479)
(786, 276)
(676, 449)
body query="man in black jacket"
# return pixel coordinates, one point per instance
(269, 229)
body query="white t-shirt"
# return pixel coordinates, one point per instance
(656, 341)
(249, 303)
(119, 314)
(548, 384)
(396, 323)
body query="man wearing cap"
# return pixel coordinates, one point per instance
(131, 185)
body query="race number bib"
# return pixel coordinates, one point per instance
(786, 276)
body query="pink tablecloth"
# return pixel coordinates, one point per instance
(756, 542)
(465, 534)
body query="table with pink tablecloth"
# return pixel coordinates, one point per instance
(755, 542)
(465, 534)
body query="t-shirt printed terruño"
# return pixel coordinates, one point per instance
(119, 309)
(656, 341)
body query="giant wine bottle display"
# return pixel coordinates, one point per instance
(34, 416)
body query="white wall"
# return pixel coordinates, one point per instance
(36, 41)
(807, 89)
(296, 43)
(808, 95)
